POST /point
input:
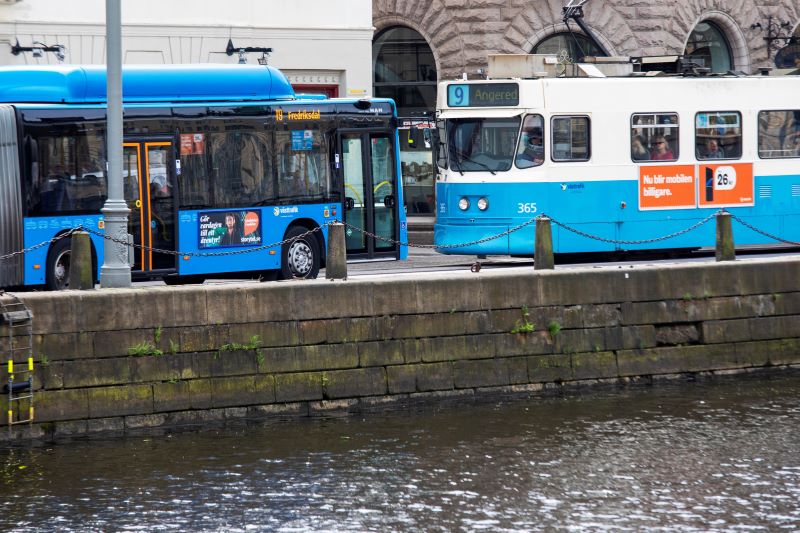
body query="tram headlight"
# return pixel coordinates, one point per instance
(463, 204)
(483, 204)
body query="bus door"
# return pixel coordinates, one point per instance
(149, 179)
(370, 197)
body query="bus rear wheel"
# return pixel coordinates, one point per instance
(58, 261)
(300, 258)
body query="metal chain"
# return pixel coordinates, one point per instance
(394, 241)
(750, 226)
(441, 246)
(643, 241)
(206, 254)
(36, 246)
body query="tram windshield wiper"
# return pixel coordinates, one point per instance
(464, 157)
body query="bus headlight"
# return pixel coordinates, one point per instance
(483, 204)
(463, 204)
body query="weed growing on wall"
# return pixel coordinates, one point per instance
(524, 325)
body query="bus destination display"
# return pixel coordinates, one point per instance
(483, 95)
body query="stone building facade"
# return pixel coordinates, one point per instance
(461, 34)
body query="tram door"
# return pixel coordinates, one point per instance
(370, 199)
(149, 181)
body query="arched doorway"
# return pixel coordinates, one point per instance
(404, 69)
(708, 43)
(575, 45)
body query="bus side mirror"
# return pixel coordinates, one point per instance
(349, 203)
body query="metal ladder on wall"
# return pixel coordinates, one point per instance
(16, 344)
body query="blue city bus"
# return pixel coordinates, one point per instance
(216, 158)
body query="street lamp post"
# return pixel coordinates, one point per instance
(116, 269)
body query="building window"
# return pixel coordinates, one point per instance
(575, 45)
(404, 69)
(708, 43)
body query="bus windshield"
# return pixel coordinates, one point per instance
(482, 144)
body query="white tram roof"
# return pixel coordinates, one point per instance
(633, 94)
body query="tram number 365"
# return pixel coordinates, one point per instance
(526, 208)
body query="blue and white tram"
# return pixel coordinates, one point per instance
(620, 158)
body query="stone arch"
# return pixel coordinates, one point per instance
(541, 20)
(740, 52)
(433, 22)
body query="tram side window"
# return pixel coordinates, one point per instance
(570, 139)
(654, 137)
(718, 135)
(302, 164)
(66, 165)
(779, 134)
(530, 150)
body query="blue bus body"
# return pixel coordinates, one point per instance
(213, 141)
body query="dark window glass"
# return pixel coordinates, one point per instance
(574, 45)
(779, 134)
(708, 43)
(654, 137)
(65, 165)
(302, 165)
(405, 70)
(718, 135)
(570, 138)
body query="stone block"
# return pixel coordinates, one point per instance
(354, 383)
(549, 368)
(46, 376)
(353, 330)
(232, 391)
(96, 372)
(120, 401)
(434, 377)
(298, 387)
(483, 373)
(579, 340)
(161, 367)
(202, 339)
(777, 327)
(720, 331)
(599, 316)
(401, 379)
(380, 353)
(429, 325)
(517, 370)
(122, 342)
(596, 365)
(312, 331)
(534, 343)
(517, 291)
(61, 405)
(629, 337)
(63, 346)
(234, 362)
(676, 335)
(171, 396)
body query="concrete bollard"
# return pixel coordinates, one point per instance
(336, 265)
(81, 276)
(724, 249)
(543, 245)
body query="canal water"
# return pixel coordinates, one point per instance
(720, 455)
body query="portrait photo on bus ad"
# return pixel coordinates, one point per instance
(230, 228)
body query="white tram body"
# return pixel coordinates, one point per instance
(587, 176)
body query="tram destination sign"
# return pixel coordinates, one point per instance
(483, 94)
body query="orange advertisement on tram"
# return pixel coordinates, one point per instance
(667, 187)
(726, 184)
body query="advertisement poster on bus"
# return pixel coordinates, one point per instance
(726, 185)
(667, 187)
(230, 228)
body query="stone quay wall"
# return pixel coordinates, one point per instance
(115, 359)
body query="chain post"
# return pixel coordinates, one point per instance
(543, 244)
(81, 272)
(336, 262)
(724, 250)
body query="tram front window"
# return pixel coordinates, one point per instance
(482, 144)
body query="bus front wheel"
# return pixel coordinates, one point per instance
(58, 261)
(300, 258)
